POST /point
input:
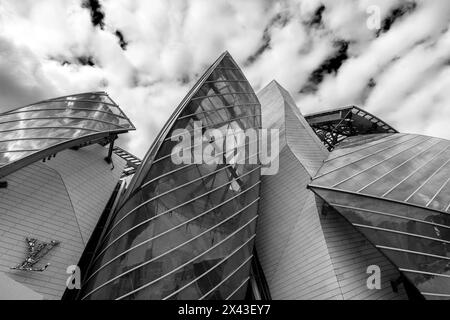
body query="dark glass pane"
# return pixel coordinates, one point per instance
(421, 244)
(397, 224)
(200, 277)
(205, 214)
(432, 287)
(180, 189)
(233, 281)
(240, 292)
(372, 209)
(151, 271)
(179, 221)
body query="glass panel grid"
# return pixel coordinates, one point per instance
(413, 238)
(57, 121)
(190, 216)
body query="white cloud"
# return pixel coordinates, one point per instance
(170, 41)
(22, 79)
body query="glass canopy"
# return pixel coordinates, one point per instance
(36, 131)
(403, 167)
(395, 189)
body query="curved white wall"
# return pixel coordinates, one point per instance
(61, 199)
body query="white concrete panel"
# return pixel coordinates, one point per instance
(61, 199)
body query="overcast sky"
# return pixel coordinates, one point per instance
(147, 54)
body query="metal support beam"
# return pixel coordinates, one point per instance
(396, 283)
(112, 138)
(334, 126)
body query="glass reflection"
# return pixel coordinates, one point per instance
(413, 238)
(336, 170)
(185, 229)
(432, 287)
(408, 168)
(44, 124)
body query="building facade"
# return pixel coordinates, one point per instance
(314, 230)
(306, 249)
(395, 190)
(186, 230)
(55, 185)
(366, 197)
(353, 200)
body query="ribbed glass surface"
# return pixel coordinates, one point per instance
(33, 129)
(396, 190)
(415, 239)
(186, 231)
(403, 167)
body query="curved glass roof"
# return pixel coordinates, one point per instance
(33, 132)
(395, 189)
(409, 168)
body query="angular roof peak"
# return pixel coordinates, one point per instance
(224, 84)
(273, 83)
(279, 111)
(167, 189)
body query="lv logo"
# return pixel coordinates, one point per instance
(35, 252)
